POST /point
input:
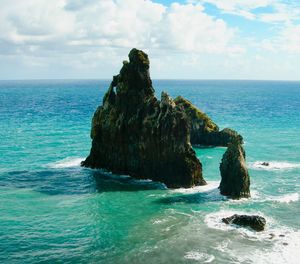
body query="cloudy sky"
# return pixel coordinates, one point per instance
(185, 39)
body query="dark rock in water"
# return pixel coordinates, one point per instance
(253, 221)
(271, 236)
(235, 180)
(265, 164)
(134, 133)
(203, 130)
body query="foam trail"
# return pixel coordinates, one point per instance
(291, 197)
(284, 250)
(273, 165)
(214, 220)
(69, 162)
(211, 185)
(199, 256)
(287, 252)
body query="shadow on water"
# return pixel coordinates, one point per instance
(205, 147)
(72, 181)
(106, 182)
(193, 198)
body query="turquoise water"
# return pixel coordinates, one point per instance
(53, 211)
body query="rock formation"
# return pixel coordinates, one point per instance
(136, 134)
(203, 130)
(235, 180)
(255, 222)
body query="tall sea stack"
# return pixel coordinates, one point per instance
(136, 134)
(235, 180)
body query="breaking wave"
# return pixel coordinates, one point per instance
(287, 198)
(69, 162)
(273, 165)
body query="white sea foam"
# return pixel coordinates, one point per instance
(66, 163)
(223, 245)
(287, 198)
(257, 197)
(199, 256)
(285, 249)
(155, 222)
(211, 186)
(284, 241)
(214, 220)
(273, 165)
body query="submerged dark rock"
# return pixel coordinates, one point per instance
(255, 222)
(265, 163)
(203, 130)
(136, 134)
(235, 180)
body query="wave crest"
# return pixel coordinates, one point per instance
(273, 165)
(287, 198)
(211, 186)
(69, 162)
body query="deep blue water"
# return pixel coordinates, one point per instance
(53, 211)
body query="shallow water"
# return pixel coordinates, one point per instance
(53, 211)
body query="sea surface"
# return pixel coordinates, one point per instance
(54, 211)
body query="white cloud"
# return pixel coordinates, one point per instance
(282, 12)
(188, 28)
(34, 21)
(123, 23)
(279, 10)
(291, 38)
(287, 40)
(233, 5)
(91, 37)
(35, 26)
(238, 7)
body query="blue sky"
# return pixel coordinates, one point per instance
(193, 39)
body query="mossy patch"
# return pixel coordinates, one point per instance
(196, 114)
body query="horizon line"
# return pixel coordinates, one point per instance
(153, 79)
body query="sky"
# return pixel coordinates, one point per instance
(185, 39)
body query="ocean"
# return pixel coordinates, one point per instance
(54, 211)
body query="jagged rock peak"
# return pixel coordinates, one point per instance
(134, 133)
(139, 58)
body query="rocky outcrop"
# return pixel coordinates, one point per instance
(136, 134)
(235, 180)
(203, 130)
(255, 222)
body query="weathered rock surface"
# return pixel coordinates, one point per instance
(235, 180)
(136, 134)
(203, 130)
(255, 222)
